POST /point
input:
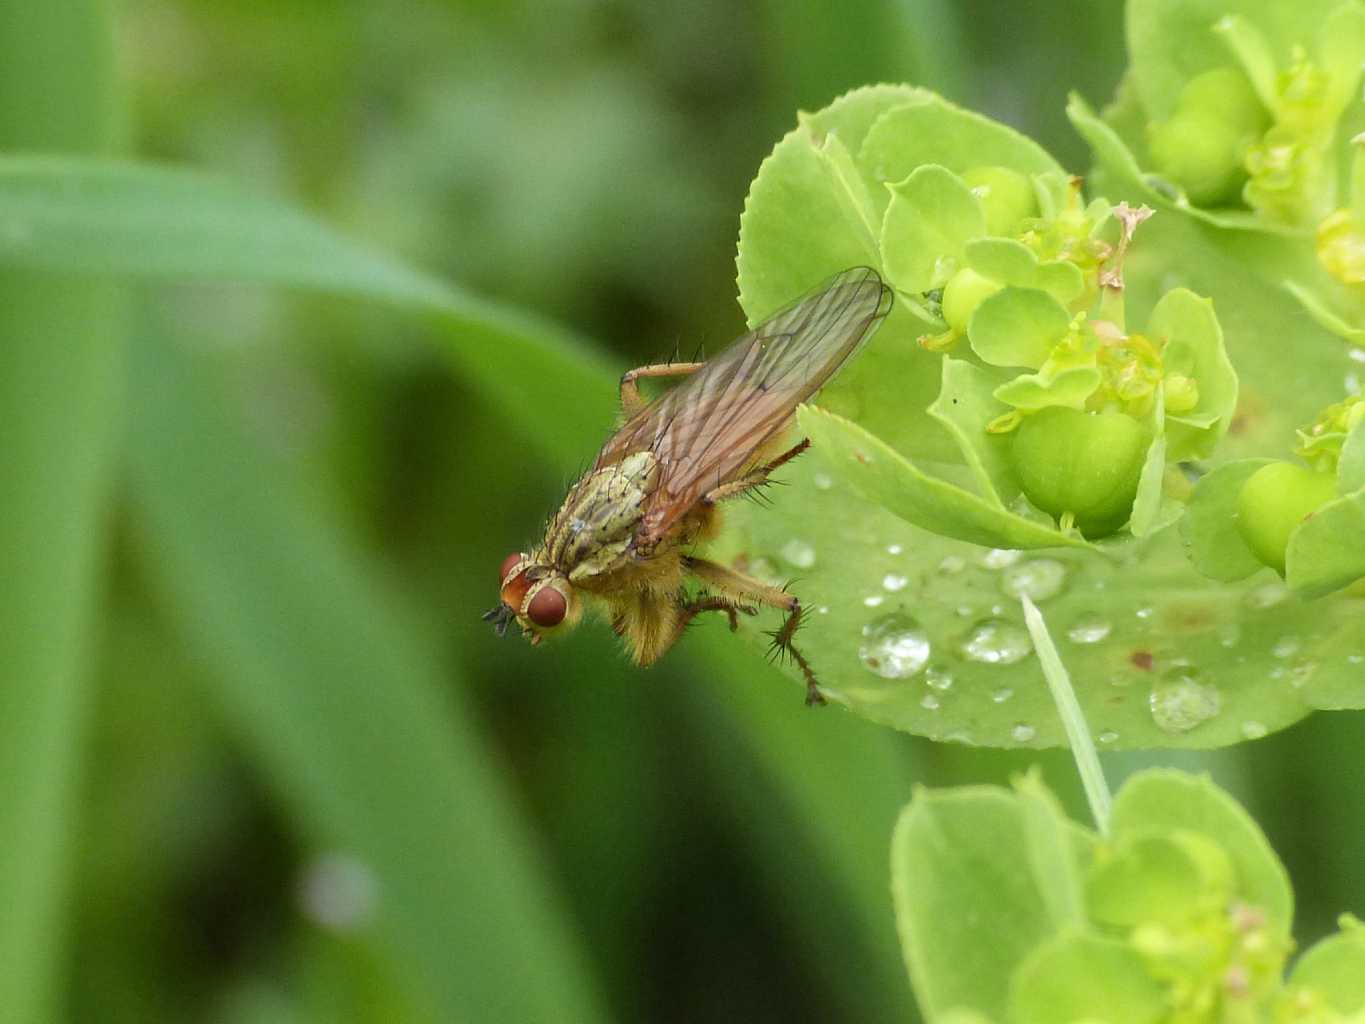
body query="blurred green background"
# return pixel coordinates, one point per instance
(261, 760)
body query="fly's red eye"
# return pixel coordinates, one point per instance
(547, 608)
(507, 564)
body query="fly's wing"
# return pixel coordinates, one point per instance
(706, 431)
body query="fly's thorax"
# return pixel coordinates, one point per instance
(592, 532)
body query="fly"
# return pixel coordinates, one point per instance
(626, 538)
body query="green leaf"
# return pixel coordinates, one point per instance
(1147, 501)
(1208, 529)
(1186, 323)
(1079, 977)
(1334, 968)
(890, 385)
(849, 188)
(1013, 263)
(1340, 50)
(1126, 628)
(1067, 389)
(1163, 799)
(61, 357)
(883, 475)
(112, 219)
(1322, 314)
(1170, 877)
(1018, 327)
(322, 674)
(1171, 41)
(1325, 552)
(931, 217)
(933, 131)
(1124, 178)
(973, 862)
(965, 405)
(1351, 461)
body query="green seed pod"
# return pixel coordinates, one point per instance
(1006, 196)
(965, 291)
(1226, 94)
(1087, 464)
(1276, 499)
(1202, 154)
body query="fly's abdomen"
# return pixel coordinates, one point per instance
(591, 533)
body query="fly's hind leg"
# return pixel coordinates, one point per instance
(738, 588)
(713, 603)
(756, 478)
(631, 401)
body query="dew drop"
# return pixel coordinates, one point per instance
(930, 702)
(894, 646)
(1144, 613)
(1001, 695)
(1355, 659)
(1230, 635)
(894, 549)
(893, 582)
(938, 677)
(997, 642)
(1108, 736)
(1039, 579)
(339, 891)
(822, 610)
(951, 565)
(872, 600)
(822, 481)
(1356, 354)
(1286, 647)
(1302, 672)
(1181, 702)
(1023, 732)
(1089, 629)
(1267, 595)
(1000, 558)
(798, 554)
(1253, 730)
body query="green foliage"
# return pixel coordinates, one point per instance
(1068, 429)
(1009, 912)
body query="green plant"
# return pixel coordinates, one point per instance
(1073, 404)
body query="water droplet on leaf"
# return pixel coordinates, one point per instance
(1023, 732)
(1039, 579)
(1000, 558)
(894, 646)
(1180, 702)
(997, 642)
(798, 553)
(893, 582)
(1089, 629)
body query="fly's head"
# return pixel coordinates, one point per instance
(535, 594)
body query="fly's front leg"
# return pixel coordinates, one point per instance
(740, 588)
(755, 479)
(631, 402)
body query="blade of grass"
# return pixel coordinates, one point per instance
(60, 401)
(129, 220)
(321, 673)
(1073, 719)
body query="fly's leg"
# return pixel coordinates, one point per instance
(631, 401)
(755, 479)
(739, 588)
(711, 603)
